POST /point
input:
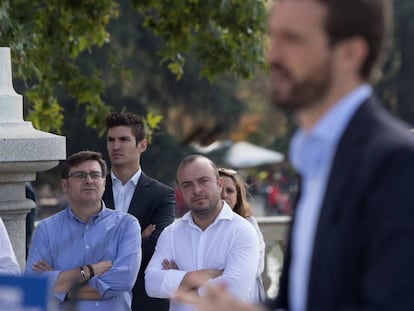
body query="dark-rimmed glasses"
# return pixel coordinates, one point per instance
(81, 176)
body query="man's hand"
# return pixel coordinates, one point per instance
(216, 298)
(101, 267)
(196, 279)
(148, 230)
(70, 278)
(83, 292)
(169, 264)
(41, 266)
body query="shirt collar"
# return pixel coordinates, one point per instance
(333, 123)
(94, 218)
(309, 149)
(134, 179)
(225, 213)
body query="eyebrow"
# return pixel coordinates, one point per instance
(121, 137)
(197, 179)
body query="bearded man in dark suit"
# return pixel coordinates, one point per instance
(350, 243)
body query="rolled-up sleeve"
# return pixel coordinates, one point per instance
(39, 250)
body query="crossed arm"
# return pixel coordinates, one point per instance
(114, 274)
(72, 282)
(192, 280)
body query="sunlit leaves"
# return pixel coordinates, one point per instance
(47, 38)
(227, 36)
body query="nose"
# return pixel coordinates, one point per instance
(197, 188)
(274, 51)
(115, 145)
(88, 178)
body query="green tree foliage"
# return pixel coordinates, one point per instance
(395, 85)
(135, 81)
(226, 35)
(47, 38)
(402, 53)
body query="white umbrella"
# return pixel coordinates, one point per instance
(243, 154)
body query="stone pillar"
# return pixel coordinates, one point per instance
(23, 152)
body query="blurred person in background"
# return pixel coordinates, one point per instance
(235, 194)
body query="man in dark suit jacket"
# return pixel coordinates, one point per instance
(350, 243)
(130, 190)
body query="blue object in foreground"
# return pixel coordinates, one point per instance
(23, 293)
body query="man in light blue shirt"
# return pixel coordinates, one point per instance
(90, 254)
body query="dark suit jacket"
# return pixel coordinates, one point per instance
(363, 254)
(152, 203)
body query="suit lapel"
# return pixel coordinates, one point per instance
(345, 164)
(108, 195)
(139, 198)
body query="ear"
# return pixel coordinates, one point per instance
(143, 145)
(220, 182)
(64, 185)
(352, 53)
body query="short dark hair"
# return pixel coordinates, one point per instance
(129, 119)
(369, 19)
(80, 157)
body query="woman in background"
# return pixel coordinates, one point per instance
(235, 194)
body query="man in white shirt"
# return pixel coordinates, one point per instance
(209, 244)
(8, 261)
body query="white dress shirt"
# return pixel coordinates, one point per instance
(123, 193)
(8, 261)
(229, 243)
(311, 154)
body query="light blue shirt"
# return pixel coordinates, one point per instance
(311, 154)
(65, 242)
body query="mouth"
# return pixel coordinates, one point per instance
(88, 189)
(198, 199)
(279, 76)
(279, 73)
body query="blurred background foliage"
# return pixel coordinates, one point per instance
(193, 68)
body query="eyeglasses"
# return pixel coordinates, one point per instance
(226, 171)
(80, 176)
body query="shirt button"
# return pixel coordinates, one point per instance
(87, 246)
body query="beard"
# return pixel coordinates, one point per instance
(206, 211)
(304, 93)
